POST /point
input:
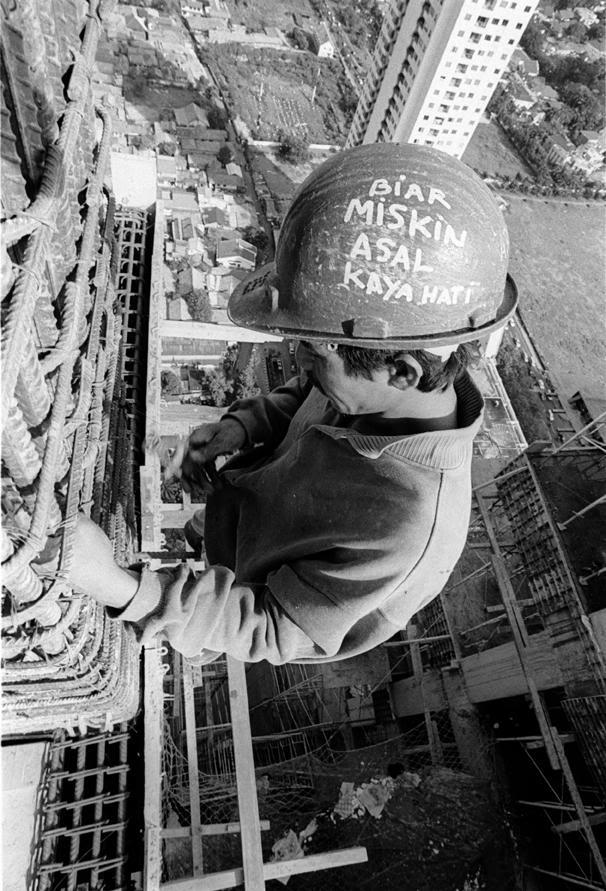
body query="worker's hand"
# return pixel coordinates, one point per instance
(205, 444)
(93, 569)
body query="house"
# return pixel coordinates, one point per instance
(322, 43)
(176, 309)
(213, 217)
(199, 160)
(523, 64)
(542, 90)
(236, 252)
(191, 279)
(560, 150)
(520, 95)
(190, 114)
(221, 282)
(182, 200)
(218, 179)
(212, 135)
(233, 169)
(589, 154)
(166, 167)
(586, 16)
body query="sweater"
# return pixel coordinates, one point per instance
(324, 541)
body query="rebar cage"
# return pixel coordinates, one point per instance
(65, 664)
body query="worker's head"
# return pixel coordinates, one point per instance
(362, 380)
(385, 247)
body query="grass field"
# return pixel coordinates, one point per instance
(558, 260)
(490, 150)
(258, 14)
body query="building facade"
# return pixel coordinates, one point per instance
(434, 69)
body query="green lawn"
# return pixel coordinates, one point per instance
(558, 261)
(490, 151)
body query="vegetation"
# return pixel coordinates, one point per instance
(256, 237)
(225, 155)
(533, 141)
(217, 118)
(198, 305)
(519, 384)
(170, 385)
(294, 149)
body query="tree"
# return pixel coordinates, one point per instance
(294, 149)
(217, 118)
(245, 384)
(218, 387)
(257, 237)
(589, 113)
(225, 155)
(198, 305)
(229, 361)
(578, 32)
(170, 385)
(532, 39)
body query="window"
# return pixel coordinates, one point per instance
(481, 21)
(456, 82)
(460, 33)
(450, 95)
(505, 22)
(510, 42)
(497, 38)
(518, 26)
(475, 37)
(461, 68)
(467, 17)
(425, 117)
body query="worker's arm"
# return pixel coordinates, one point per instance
(260, 420)
(193, 611)
(208, 611)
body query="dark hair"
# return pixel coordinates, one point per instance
(437, 375)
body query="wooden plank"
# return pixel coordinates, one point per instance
(248, 806)
(565, 877)
(208, 829)
(230, 878)
(152, 742)
(192, 767)
(576, 825)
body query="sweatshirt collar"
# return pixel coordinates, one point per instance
(443, 449)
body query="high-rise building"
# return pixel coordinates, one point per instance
(434, 69)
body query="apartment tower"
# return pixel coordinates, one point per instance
(434, 69)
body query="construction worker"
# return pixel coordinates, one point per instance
(347, 503)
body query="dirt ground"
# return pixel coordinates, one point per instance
(490, 150)
(558, 260)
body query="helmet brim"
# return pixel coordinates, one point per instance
(251, 306)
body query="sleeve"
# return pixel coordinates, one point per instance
(266, 418)
(198, 611)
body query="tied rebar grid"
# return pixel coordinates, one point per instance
(84, 814)
(64, 663)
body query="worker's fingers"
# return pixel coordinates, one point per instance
(208, 442)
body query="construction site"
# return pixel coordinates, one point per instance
(465, 753)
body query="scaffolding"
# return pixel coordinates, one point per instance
(534, 528)
(233, 788)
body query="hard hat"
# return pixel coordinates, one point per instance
(385, 246)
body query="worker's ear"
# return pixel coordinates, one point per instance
(404, 372)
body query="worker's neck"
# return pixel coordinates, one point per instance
(409, 411)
